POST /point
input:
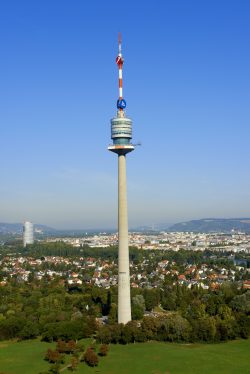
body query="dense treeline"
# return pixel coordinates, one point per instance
(181, 257)
(67, 250)
(175, 328)
(49, 310)
(190, 316)
(52, 310)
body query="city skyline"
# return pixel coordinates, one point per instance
(187, 83)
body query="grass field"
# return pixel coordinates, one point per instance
(147, 358)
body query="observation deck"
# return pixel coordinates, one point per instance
(121, 134)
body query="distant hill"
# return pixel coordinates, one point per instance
(200, 225)
(213, 225)
(17, 228)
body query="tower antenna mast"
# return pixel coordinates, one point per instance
(121, 103)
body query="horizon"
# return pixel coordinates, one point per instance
(168, 225)
(186, 83)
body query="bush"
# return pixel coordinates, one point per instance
(61, 346)
(103, 351)
(90, 357)
(73, 363)
(55, 369)
(54, 356)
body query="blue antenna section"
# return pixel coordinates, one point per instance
(121, 104)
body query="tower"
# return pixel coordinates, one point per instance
(28, 234)
(121, 134)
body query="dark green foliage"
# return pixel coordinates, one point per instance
(174, 329)
(30, 331)
(11, 327)
(104, 334)
(66, 250)
(198, 327)
(241, 303)
(203, 329)
(243, 326)
(138, 307)
(69, 330)
(152, 298)
(55, 369)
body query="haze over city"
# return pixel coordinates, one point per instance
(186, 83)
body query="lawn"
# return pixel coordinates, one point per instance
(146, 358)
(24, 357)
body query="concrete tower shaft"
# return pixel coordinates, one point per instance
(124, 303)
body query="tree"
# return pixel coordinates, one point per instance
(11, 327)
(152, 298)
(241, 303)
(112, 317)
(204, 329)
(55, 369)
(116, 332)
(71, 346)
(61, 346)
(53, 356)
(138, 307)
(74, 363)
(149, 326)
(90, 357)
(104, 335)
(243, 325)
(168, 302)
(103, 350)
(29, 331)
(177, 328)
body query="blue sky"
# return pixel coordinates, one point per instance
(186, 83)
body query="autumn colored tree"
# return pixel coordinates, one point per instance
(74, 363)
(61, 346)
(90, 357)
(54, 356)
(103, 350)
(71, 346)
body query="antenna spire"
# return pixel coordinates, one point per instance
(120, 43)
(121, 103)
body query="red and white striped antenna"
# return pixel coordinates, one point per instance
(121, 104)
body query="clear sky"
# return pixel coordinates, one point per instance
(187, 87)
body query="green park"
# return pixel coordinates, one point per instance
(147, 358)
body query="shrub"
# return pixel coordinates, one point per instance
(91, 357)
(73, 363)
(54, 356)
(61, 346)
(103, 351)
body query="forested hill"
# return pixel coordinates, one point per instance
(213, 225)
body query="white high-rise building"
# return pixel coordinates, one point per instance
(28, 233)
